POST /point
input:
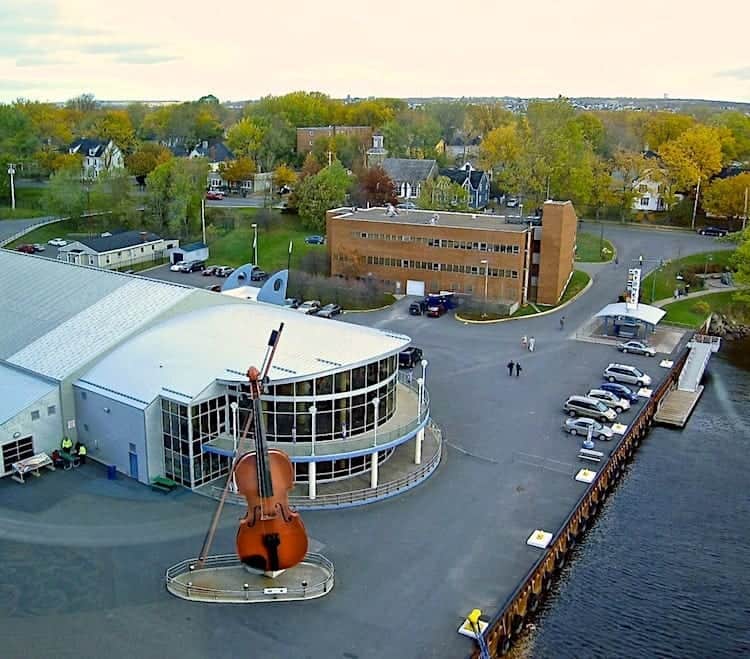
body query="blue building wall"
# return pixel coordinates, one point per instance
(114, 432)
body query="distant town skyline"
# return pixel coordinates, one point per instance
(52, 50)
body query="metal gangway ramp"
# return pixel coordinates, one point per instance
(678, 404)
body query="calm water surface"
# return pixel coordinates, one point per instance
(665, 572)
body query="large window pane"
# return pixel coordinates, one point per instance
(372, 374)
(358, 378)
(343, 382)
(304, 388)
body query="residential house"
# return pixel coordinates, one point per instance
(306, 136)
(651, 188)
(408, 175)
(217, 153)
(474, 181)
(117, 249)
(97, 156)
(458, 149)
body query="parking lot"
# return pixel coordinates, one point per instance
(196, 279)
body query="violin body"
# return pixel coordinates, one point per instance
(271, 536)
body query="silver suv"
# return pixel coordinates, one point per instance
(585, 406)
(627, 374)
(610, 400)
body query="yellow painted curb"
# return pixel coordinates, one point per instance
(531, 315)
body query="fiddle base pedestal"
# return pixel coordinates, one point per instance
(225, 579)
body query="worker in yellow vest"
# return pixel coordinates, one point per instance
(66, 444)
(81, 450)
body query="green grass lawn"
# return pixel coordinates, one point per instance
(65, 229)
(665, 278)
(693, 312)
(588, 251)
(28, 204)
(578, 281)
(235, 247)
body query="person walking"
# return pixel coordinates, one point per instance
(510, 366)
(518, 369)
(532, 341)
(524, 341)
(562, 322)
(81, 451)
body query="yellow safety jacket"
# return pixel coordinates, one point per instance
(81, 450)
(67, 443)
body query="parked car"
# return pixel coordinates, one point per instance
(292, 302)
(713, 231)
(511, 202)
(610, 400)
(329, 311)
(258, 275)
(26, 249)
(57, 242)
(628, 374)
(223, 270)
(209, 271)
(585, 406)
(38, 247)
(215, 195)
(310, 307)
(315, 240)
(620, 390)
(409, 357)
(581, 426)
(191, 266)
(637, 348)
(436, 310)
(176, 267)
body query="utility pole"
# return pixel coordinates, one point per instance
(744, 216)
(12, 172)
(203, 219)
(695, 205)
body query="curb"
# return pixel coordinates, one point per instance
(387, 306)
(466, 321)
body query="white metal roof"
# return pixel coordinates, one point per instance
(18, 390)
(644, 312)
(181, 356)
(98, 327)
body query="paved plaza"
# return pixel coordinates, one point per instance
(84, 558)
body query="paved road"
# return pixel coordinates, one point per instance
(11, 227)
(408, 569)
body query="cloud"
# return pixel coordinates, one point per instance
(39, 60)
(146, 58)
(114, 47)
(743, 73)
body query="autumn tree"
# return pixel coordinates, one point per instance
(664, 127)
(728, 197)
(115, 125)
(284, 175)
(112, 192)
(443, 194)
(310, 167)
(238, 170)
(174, 192)
(147, 157)
(245, 139)
(375, 188)
(65, 194)
(318, 193)
(629, 167)
(738, 125)
(695, 155)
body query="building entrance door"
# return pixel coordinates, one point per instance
(133, 465)
(414, 287)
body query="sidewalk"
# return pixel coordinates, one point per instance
(690, 296)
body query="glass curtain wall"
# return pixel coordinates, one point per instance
(176, 438)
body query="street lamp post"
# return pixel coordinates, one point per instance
(12, 173)
(255, 243)
(374, 469)
(311, 475)
(484, 262)
(420, 433)
(709, 258)
(520, 208)
(424, 371)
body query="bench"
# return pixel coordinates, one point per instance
(591, 456)
(70, 460)
(164, 485)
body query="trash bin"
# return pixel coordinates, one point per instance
(111, 472)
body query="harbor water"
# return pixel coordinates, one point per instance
(665, 571)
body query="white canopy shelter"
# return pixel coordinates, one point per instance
(642, 312)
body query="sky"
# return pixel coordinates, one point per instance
(52, 50)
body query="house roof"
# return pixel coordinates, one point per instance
(57, 316)
(644, 312)
(193, 247)
(171, 358)
(459, 175)
(88, 147)
(408, 170)
(119, 240)
(18, 390)
(214, 150)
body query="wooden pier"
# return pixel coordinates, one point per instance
(677, 406)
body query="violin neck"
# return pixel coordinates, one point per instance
(265, 484)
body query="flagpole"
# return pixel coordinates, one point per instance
(289, 257)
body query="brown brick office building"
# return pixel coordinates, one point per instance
(418, 252)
